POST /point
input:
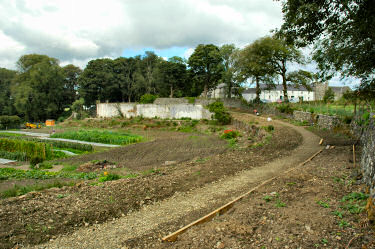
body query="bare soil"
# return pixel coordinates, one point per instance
(39, 217)
(310, 194)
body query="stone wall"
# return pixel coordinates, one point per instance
(303, 116)
(171, 101)
(107, 110)
(368, 165)
(327, 122)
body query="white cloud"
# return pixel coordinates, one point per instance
(76, 31)
(188, 53)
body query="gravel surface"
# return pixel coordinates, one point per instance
(115, 233)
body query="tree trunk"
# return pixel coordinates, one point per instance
(205, 90)
(230, 89)
(171, 94)
(285, 87)
(257, 90)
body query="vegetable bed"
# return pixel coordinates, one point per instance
(105, 137)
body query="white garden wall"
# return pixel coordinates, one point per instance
(107, 110)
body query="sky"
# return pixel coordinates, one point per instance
(77, 31)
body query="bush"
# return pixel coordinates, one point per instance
(220, 114)
(9, 122)
(269, 128)
(285, 108)
(148, 98)
(109, 177)
(230, 134)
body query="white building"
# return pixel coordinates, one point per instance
(275, 94)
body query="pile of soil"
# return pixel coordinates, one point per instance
(38, 217)
(96, 166)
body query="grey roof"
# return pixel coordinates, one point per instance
(277, 88)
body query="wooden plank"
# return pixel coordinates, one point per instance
(223, 209)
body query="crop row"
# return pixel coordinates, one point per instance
(54, 143)
(11, 173)
(106, 137)
(35, 152)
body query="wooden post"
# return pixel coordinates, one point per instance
(354, 155)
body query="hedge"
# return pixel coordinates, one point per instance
(9, 122)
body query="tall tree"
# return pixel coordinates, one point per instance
(280, 54)
(228, 53)
(37, 88)
(6, 100)
(253, 62)
(342, 32)
(173, 77)
(97, 82)
(206, 66)
(71, 74)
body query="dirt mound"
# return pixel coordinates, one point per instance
(96, 165)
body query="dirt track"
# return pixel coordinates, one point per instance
(122, 231)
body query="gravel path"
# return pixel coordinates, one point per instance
(46, 137)
(113, 234)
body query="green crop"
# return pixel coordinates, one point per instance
(106, 137)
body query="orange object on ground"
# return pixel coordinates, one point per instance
(50, 122)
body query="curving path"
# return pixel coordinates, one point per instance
(113, 234)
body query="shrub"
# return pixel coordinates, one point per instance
(230, 134)
(220, 114)
(148, 98)
(109, 177)
(285, 108)
(9, 122)
(269, 128)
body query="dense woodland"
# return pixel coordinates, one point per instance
(341, 33)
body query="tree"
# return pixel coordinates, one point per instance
(253, 62)
(279, 54)
(228, 53)
(173, 77)
(329, 95)
(71, 74)
(6, 100)
(37, 88)
(342, 32)
(206, 67)
(97, 82)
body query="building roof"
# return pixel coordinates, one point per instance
(276, 88)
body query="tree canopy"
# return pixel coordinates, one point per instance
(206, 67)
(341, 31)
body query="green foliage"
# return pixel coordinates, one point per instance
(279, 203)
(35, 152)
(148, 98)
(11, 173)
(107, 137)
(39, 93)
(329, 96)
(109, 177)
(191, 100)
(267, 198)
(6, 101)
(340, 32)
(269, 128)
(285, 108)
(206, 67)
(9, 122)
(21, 190)
(230, 134)
(220, 114)
(323, 204)
(18, 156)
